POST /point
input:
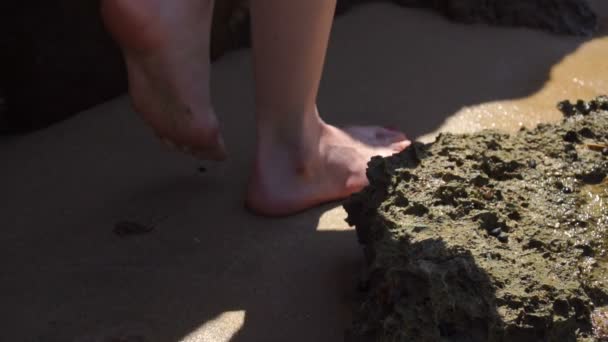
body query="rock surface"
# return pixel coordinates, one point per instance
(489, 236)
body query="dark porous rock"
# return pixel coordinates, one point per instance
(520, 256)
(559, 16)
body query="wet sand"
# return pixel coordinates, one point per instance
(210, 271)
(580, 75)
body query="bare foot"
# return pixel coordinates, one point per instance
(166, 49)
(327, 166)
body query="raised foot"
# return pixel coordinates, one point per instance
(166, 49)
(287, 180)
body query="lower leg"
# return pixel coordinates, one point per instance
(302, 161)
(166, 50)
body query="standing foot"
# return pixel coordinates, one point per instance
(325, 166)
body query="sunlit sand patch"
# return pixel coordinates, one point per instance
(220, 329)
(333, 220)
(580, 75)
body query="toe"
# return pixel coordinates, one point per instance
(216, 151)
(400, 145)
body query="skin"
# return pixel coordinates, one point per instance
(301, 161)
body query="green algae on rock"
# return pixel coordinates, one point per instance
(488, 236)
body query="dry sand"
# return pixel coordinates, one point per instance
(210, 271)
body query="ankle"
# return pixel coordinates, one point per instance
(293, 130)
(297, 142)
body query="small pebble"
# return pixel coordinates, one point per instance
(605, 151)
(567, 190)
(532, 163)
